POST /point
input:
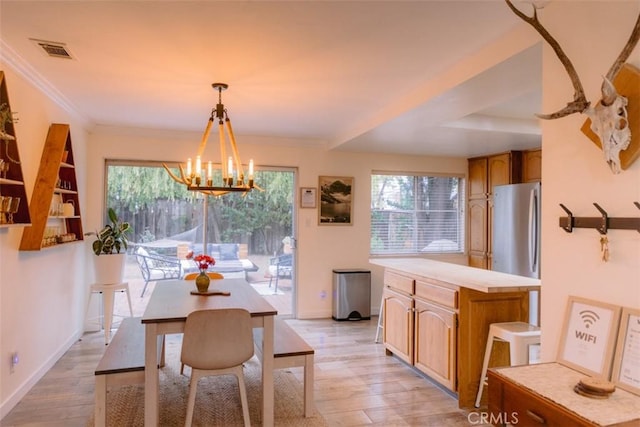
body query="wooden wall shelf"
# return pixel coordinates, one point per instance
(56, 184)
(13, 184)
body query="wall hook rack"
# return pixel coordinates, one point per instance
(602, 224)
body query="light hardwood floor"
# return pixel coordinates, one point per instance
(356, 384)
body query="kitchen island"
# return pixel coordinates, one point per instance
(437, 316)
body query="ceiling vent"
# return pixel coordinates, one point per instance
(54, 49)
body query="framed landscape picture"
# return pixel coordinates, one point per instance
(589, 336)
(336, 195)
(626, 365)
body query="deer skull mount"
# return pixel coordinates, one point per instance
(611, 124)
(609, 119)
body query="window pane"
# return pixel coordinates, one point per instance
(392, 192)
(414, 214)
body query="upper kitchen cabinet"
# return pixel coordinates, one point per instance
(54, 203)
(532, 166)
(484, 174)
(14, 210)
(504, 169)
(478, 178)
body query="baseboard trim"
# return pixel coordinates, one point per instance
(9, 403)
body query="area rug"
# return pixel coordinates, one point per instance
(217, 401)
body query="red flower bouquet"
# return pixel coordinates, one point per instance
(203, 261)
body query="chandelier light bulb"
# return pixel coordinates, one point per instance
(230, 169)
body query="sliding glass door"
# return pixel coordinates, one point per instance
(250, 235)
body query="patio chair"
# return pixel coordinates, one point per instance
(156, 267)
(280, 266)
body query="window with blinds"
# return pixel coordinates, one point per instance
(412, 214)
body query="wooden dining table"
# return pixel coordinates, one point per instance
(166, 313)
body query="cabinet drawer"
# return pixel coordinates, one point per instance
(399, 282)
(438, 294)
(533, 410)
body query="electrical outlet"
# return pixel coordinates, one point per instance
(14, 361)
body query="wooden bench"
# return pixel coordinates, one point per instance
(290, 350)
(122, 363)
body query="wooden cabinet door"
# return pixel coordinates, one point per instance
(435, 347)
(478, 178)
(503, 169)
(478, 246)
(398, 324)
(499, 170)
(532, 166)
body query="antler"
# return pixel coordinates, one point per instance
(609, 93)
(579, 103)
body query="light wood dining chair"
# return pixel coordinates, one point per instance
(192, 276)
(217, 342)
(212, 275)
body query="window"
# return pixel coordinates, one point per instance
(413, 214)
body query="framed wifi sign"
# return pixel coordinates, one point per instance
(589, 336)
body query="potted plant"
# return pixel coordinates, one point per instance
(109, 261)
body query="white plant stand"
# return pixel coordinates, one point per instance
(108, 292)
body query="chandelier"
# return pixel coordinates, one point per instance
(199, 178)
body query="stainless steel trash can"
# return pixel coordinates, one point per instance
(351, 294)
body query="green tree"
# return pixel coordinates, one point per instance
(262, 218)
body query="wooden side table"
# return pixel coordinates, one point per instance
(542, 394)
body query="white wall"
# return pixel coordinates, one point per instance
(320, 248)
(42, 293)
(575, 174)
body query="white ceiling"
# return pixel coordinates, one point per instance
(349, 74)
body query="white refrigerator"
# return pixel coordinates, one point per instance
(515, 244)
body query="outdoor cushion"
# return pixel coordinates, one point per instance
(219, 251)
(229, 251)
(142, 251)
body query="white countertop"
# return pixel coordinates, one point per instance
(460, 275)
